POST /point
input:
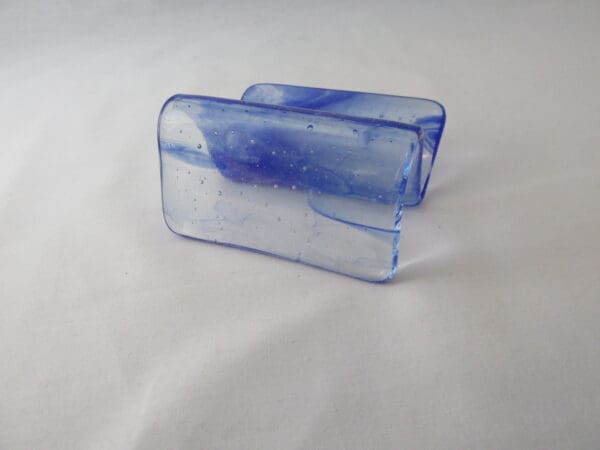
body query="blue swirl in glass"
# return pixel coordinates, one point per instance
(313, 175)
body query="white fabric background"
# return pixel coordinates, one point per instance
(117, 334)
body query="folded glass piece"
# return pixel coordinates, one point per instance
(282, 172)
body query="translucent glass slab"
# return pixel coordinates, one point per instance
(315, 186)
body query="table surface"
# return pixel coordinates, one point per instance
(116, 333)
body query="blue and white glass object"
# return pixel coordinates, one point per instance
(314, 175)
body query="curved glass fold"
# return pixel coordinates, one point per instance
(428, 115)
(316, 186)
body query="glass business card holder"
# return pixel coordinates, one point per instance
(318, 176)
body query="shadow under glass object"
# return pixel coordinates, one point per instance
(313, 175)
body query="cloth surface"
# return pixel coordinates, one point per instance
(117, 334)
